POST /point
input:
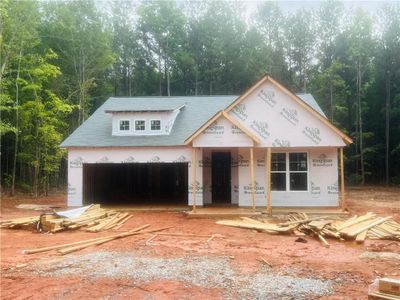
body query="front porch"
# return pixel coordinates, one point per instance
(228, 211)
(242, 177)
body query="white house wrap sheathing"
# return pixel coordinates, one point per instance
(78, 156)
(279, 121)
(322, 176)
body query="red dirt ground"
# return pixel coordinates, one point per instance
(245, 247)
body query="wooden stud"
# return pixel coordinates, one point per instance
(194, 184)
(342, 196)
(268, 175)
(253, 195)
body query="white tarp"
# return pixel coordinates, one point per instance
(73, 213)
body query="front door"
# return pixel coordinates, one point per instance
(221, 177)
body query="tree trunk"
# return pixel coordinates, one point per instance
(129, 81)
(196, 83)
(36, 173)
(387, 126)
(167, 70)
(331, 99)
(159, 72)
(16, 126)
(359, 82)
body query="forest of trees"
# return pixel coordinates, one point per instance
(60, 60)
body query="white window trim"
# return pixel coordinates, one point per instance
(134, 124)
(287, 172)
(119, 126)
(155, 130)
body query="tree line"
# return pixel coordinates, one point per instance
(60, 60)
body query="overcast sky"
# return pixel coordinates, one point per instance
(293, 5)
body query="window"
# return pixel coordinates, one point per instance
(124, 125)
(140, 125)
(155, 125)
(278, 172)
(298, 171)
(289, 167)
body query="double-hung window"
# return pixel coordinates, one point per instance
(124, 125)
(298, 171)
(289, 171)
(278, 172)
(140, 125)
(155, 125)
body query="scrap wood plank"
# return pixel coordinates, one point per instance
(300, 221)
(351, 228)
(319, 224)
(384, 296)
(265, 262)
(106, 240)
(393, 224)
(323, 240)
(387, 228)
(122, 222)
(331, 233)
(357, 220)
(17, 221)
(115, 223)
(112, 222)
(344, 222)
(252, 220)
(360, 238)
(102, 224)
(270, 228)
(356, 231)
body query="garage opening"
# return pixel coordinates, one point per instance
(135, 183)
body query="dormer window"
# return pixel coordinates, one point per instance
(124, 125)
(155, 125)
(140, 125)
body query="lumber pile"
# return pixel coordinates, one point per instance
(94, 219)
(27, 222)
(357, 228)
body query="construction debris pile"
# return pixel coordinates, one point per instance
(356, 228)
(91, 218)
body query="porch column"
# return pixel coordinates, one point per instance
(268, 177)
(194, 184)
(342, 196)
(253, 195)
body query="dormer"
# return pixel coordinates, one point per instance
(143, 121)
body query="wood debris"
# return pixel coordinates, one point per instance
(358, 228)
(94, 219)
(75, 246)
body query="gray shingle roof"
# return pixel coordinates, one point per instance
(143, 104)
(96, 130)
(309, 99)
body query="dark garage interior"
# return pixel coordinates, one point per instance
(135, 183)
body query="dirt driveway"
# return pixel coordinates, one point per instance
(170, 267)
